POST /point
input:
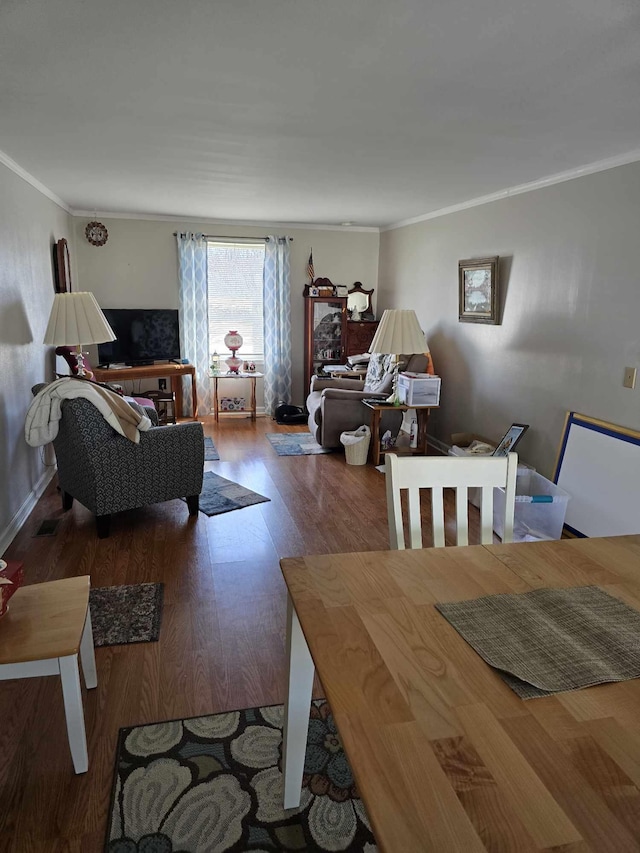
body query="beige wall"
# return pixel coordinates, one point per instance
(570, 276)
(29, 226)
(137, 267)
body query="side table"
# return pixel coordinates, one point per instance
(376, 413)
(252, 376)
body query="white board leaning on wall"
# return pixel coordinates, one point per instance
(599, 466)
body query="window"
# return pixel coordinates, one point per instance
(234, 279)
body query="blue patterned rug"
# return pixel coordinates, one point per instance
(210, 452)
(295, 444)
(219, 495)
(215, 784)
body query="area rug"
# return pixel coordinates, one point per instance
(126, 614)
(210, 452)
(219, 495)
(214, 784)
(295, 444)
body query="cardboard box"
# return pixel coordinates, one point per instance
(419, 389)
(464, 439)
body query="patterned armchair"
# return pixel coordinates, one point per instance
(108, 473)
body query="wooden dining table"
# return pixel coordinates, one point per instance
(446, 757)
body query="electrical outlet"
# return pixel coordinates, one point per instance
(629, 380)
(162, 384)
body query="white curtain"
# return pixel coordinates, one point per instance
(277, 323)
(194, 320)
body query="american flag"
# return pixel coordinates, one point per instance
(310, 270)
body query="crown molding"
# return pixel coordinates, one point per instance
(35, 183)
(178, 220)
(561, 177)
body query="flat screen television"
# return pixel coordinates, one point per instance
(143, 335)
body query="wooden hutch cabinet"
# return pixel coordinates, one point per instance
(359, 335)
(325, 333)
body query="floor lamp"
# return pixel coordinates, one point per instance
(398, 333)
(76, 319)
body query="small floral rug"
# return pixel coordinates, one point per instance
(295, 444)
(210, 452)
(214, 785)
(126, 614)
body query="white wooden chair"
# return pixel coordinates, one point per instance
(412, 473)
(45, 627)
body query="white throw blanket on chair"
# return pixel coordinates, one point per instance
(45, 411)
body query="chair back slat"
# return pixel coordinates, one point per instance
(411, 474)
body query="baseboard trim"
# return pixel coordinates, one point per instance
(8, 535)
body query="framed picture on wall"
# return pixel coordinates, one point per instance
(478, 290)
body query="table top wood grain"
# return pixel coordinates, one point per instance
(445, 755)
(44, 620)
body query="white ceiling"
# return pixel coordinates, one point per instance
(312, 111)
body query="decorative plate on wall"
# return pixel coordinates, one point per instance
(96, 233)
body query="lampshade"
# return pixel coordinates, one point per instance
(76, 319)
(398, 332)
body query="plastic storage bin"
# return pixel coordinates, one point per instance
(356, 445)
(419, 389)
(533, 519)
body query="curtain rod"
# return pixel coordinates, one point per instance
(227, 237)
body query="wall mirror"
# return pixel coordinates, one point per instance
(359, 298)
(62, 267)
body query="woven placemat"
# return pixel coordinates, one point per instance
(551, 640)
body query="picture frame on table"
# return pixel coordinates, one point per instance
(478, 290)
(510, 439)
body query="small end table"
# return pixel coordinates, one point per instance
(376, 413)
(252, 375)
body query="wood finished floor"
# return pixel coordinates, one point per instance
(222, 644)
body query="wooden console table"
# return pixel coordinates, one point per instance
(174, 372)
(252, 376)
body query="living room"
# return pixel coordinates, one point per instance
(564, 222)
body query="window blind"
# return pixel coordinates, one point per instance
(234, 279)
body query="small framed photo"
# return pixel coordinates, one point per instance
(478, 290)
(509, 440)
(341, 290)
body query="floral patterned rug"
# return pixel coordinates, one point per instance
(126, 614)
(214, 785)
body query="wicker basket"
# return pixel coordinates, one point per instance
(356, 445)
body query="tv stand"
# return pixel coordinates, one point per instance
(174, 372)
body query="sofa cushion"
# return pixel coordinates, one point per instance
(313, 407)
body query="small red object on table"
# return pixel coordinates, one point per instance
(11, 579)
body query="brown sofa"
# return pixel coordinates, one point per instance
(335, 405)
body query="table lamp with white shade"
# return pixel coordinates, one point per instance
(76, 320)
(398, 333)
